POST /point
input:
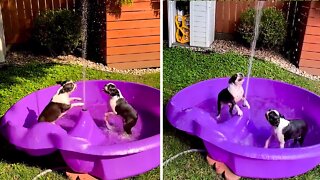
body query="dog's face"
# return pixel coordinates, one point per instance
(237, 79)
(273, 116)
(111, 89)
(67, 87)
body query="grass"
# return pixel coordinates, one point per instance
(17, 82)
(182, 68)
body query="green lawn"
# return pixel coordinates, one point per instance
(182, 68)
(16, 82)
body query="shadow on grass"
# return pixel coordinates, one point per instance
(192, 141)
(13, 74)
(9, 154)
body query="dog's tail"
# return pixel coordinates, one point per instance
(303, 134)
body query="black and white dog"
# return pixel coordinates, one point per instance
(285, 130)
(121, 107)
(60, 102)
(232, 95)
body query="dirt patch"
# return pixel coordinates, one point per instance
(222, 46)
(21, 58)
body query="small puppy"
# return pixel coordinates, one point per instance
(285, 130)
(232, 95)
(121, 107)
(60, 103)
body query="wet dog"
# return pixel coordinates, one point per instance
(60, 103)
(233, 94)
(285, 130)
(121, 107)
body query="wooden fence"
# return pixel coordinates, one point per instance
(228, 13)
(310, 53)
(127, 36)
(18, 16)
(133, 37)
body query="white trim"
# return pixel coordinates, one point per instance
(2, 39)
(171, 7)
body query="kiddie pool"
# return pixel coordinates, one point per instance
(86, 145)
(238, 141)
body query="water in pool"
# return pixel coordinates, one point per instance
(252, 129)
(147, 124)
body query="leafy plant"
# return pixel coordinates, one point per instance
(272, 32)
(57, 31)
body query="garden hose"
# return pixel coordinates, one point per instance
(47, 171)
(184, 152)
(182, 33)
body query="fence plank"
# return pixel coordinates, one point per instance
(239, 10)
(133, 41)
(311, 47)
(56, 4)
(313, 71)
(232, 16)
(135, 64)
(310, 55)
(63, 4)
(133, 16)
(133, 57)
(310, 63)
(137, 6)
(313, 22)
(219, 16)
(35, 8)
(70, 4)
(28, 13)
(114, 34)
(133, 49)
(48, 4)
(226, 16)
(133, 24)
(21, 17)
(42, 5)
(7, 21)
(14, 19)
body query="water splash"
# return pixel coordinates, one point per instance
(259, 7)
(84, 34)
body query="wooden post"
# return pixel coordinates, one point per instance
(2, 39)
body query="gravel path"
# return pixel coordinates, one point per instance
(219, 46)
(222, 46)
(22, 58)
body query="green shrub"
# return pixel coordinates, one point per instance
(57, 32)
(272, 31)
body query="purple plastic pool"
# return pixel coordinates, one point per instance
(239, 141)
(86, 145)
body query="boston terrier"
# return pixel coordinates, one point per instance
(232, 95)
(60, 102)
(121, 107)
(285, 130)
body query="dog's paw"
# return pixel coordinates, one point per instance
(240, 113)
(246, 104)
(108, 125)
(78, 99)
(126, 136)
(107, 114)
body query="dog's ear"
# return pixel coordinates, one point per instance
(233, 79)
(61, 82)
